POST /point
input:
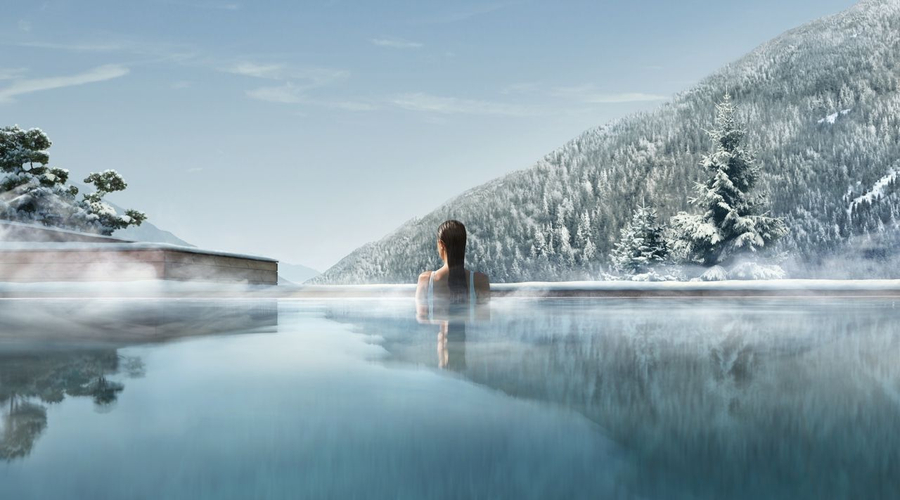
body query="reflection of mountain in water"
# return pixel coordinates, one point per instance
(720, 400)
(50, 350)
(28, 381)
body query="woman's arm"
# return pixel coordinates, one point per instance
(422, 295)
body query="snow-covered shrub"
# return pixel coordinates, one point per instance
(652, 276)
(35, 193)
(715, 273)
(756, 271)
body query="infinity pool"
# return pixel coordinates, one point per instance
(531, 398)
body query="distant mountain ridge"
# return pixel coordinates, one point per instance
(296, 273)
(149, 232)
(821, 108)
(287, 273)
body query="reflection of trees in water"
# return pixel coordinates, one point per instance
(722, 400)
(31, 380)
(23, 422)
(28, 381)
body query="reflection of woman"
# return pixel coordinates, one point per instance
(451, 345)
(452, 283)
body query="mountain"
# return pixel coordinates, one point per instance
(145, 232)
(287, 273)
(295, 273)
(821, 109)
(148, 232)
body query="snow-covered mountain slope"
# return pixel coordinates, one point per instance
(844, 67)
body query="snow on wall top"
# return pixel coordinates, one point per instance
(69, 246)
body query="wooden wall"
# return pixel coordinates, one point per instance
(116, 264)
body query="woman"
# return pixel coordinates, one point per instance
(452, 283)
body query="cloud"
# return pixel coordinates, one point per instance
(155, 51)
(590, 95)
(453, 105)
(521, 88)
(270, 71)
(285, 94)
(181, 84)
(27, 86)
(300, 77)
(292, 94)
(351, 105)
(74, 47)
(396, 43)
(294, 84)
(11, 73)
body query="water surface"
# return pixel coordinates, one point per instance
(552, 398)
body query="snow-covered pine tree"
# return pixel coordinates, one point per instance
(109, 181)
(641, 244)
(730, 221)
(33, 192)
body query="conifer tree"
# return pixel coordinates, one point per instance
(730, 220)
(641, 245)
(33, 192)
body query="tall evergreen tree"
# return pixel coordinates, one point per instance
(730, 221)
(641, 245)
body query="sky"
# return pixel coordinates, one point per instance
(300, 130)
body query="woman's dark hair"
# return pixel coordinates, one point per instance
(452, 234)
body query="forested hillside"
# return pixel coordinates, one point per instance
(821, 110)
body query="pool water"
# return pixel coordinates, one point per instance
(531, 398)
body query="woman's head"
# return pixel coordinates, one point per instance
(452, 248)
(452, 242)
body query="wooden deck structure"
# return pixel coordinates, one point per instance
(38, 254)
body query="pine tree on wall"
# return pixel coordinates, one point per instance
(109, 181)
(641, 245)
(33, 192)
(730, 221)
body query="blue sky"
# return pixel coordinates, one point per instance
(302, 130)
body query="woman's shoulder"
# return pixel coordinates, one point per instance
(481, 279)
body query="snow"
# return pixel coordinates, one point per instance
(146, 289)
(877, 191)
(830, 119)
(756, 271)
(116, 247)
(715, 273)
(52, 229)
